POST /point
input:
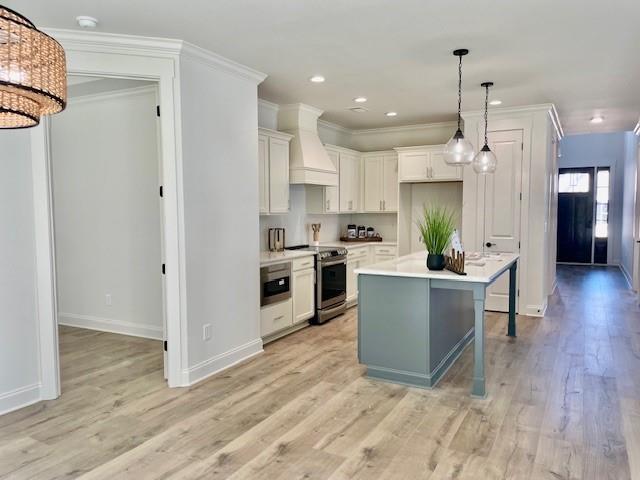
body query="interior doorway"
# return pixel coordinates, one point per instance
(108, 225)
(583, 215)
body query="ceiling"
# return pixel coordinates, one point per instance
(580, 55)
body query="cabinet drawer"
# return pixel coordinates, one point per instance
(385, 250)
(356, 252)
(275, 317)
(302, 263)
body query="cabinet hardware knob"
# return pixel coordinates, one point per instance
(489, 244)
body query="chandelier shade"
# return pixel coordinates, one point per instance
(33, 76)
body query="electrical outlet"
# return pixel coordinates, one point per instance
(107, 299)
(206, 331)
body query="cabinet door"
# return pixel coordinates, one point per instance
(278, 175)
(373, 183)
(331, 194)
(263, 172)
(413, 166)
(440, 171)
(303, 295)
(352, 280)
(383, 257)
(349, 182)
(390, 183)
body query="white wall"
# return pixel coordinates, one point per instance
(107, 213)
(628, 234)
(19, 369)
(601, 150)
(220, 177)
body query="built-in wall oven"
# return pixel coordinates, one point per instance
(275, 283)
(331, 283)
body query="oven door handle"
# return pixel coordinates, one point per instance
(333, 262)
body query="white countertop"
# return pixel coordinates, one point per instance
(415, 266)
(338, 243)
(268, 258)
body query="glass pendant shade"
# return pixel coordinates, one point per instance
(33, 76)
(485, 161)
(458, 150)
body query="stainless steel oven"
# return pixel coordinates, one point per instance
(331, 284)
(275, 283)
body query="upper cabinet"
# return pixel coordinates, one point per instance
(425, 164)
(349, 181)
(380, 182)
(273, 170)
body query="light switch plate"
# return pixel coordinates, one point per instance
(206, 331)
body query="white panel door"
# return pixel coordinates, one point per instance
(413, 166)
(440, 171)
(502, 208)
(303, 294)
(263, 172)
(278, 175)
(390, 183)
(373, 183)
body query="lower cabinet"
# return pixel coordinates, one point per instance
(275, 317)
(361, 256)
(383, 253)
(303, 292)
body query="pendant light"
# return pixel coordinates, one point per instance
(458, 150)
(33, 76)
(485, 161)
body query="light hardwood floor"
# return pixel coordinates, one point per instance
(563, 403)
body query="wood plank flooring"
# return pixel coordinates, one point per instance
(563, 403)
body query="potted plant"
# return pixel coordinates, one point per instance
(436, 229)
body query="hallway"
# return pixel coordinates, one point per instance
(563, 403)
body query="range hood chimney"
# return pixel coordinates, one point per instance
(308, 163)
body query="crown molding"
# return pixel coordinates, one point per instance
(75, 40)
(115, 43)
(274, 107)
(206, 57)
(543, 107)
(300, 106)
(335, 127)
(636, 130)
(405, 128)
(555, 119)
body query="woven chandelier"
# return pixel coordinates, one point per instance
(33, 76)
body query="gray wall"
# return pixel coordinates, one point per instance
(19, 371)
(601, 150)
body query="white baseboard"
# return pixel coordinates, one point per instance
(534, 310)
(110, 325)
(19, 398)
(220, 362)
(626, 275)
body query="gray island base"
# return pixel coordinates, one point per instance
(413, 324)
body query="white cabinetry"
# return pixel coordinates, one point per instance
(273, 170)
(356, 258)
(425, 164)
(349, 182)
(382, 253)
(303, 289)
(275, 317)
(380, 182)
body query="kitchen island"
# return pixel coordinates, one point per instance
(414, 323)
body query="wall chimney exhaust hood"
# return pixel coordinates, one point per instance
(309, 163)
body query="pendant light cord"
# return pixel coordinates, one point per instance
(459, 90)
(486, 115)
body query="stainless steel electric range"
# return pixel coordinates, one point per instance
(331, 281)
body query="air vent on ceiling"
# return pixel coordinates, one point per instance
(358, 109)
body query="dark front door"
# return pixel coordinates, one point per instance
(575, 215)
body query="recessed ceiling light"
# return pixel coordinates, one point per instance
(317, 79)
(360, 99)
(597, 119)
(391, 114)
(87, 22)
(495, 102)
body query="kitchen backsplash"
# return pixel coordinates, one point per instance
(298, 222)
